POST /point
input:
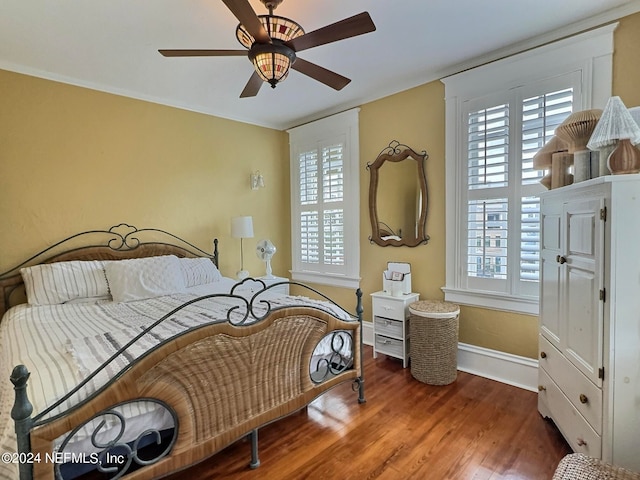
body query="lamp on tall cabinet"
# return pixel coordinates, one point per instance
(242, 227)
(617, 129)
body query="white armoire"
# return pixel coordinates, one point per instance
(589, 375)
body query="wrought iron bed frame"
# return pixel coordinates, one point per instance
(124, 242)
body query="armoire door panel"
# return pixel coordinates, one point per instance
(550, 315)
(581, 238)
(582, 281)
(552, 232)
(583, 338)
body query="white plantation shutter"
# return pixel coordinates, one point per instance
(324, 203)
(487, 203)
(487, 239)
(309, 219)
(503, 223)
(309, 237)
(541, 114)
(488, 147)
(322, 200)
(308, 166)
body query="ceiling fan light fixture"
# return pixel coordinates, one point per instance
(272, 61)
(278, 28)
(272, 42)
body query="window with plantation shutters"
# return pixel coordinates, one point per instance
(324, 201)
(495, 194)
(498, 117)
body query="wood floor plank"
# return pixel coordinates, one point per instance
(474, 428)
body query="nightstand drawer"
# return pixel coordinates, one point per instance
(390, 346)
(388, 327)
(389, 308)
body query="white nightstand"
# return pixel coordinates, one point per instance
(391, 325)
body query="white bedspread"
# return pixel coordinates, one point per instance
(62, 344)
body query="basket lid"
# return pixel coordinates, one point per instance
(434, 309)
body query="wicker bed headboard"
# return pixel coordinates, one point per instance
(119, 242)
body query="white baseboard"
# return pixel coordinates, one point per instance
(503, 367)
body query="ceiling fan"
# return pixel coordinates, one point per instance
(271, 42)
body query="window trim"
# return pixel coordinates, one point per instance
(343, 125)
(589, 53)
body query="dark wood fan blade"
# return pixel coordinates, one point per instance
(332, 79)
(204, 53)
(347, 28)
(252, 87)
(247, 17)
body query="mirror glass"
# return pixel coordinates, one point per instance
(398, 197)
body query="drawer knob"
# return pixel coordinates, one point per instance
(543, 355)
(542, 388)
(583, 398)
(581, 442)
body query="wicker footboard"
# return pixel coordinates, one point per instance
(220, 382)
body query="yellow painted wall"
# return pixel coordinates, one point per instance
(73, 159)
(626, 61)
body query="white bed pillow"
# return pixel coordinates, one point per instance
(61, 282)
(142, 278)
(199, 271)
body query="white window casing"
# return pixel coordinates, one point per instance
(491, 191)
(325, 201)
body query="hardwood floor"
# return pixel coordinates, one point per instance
(472, 429)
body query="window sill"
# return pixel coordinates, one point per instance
(494, 301)
(326, 279)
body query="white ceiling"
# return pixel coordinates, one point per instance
(111, 45)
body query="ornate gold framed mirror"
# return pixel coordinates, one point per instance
(398, 197)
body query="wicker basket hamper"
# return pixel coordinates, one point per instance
(434, 341)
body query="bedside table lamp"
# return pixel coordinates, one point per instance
(242, 227)
(617, 128)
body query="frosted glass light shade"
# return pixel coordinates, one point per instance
(242, 227)
(615, 123)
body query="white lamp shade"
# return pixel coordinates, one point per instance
(615, 123)
(635, 114)
(242, 227)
